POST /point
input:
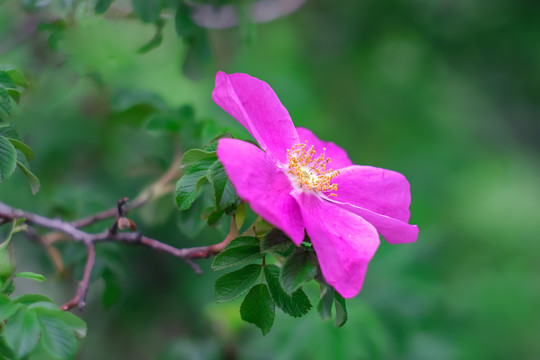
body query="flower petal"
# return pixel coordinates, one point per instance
(338, 156)
(393, 230)
(382, 191)
(260, 182)
(343, 241)
(255, 105)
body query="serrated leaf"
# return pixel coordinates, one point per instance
(324, 307)
(102, 6)
(147, 10)
(7, 308)
(231, 285)
(5, 103)
(57, 338)
(195, 155)
(22, 332)
(31, 276)
(223, 189)
(276, 242)
(341, 310)
(241, 250)
(258, 308)
(187, 187)
(8, 158)
(296, 304)
(9, 131)
(299, 268)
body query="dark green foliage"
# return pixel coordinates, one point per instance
(201, 166)
(299, 268)
(239, 251)
(232, 285)
(8, 158)
(258, 308)
(295, 304)
(13, 151)
(277, 243)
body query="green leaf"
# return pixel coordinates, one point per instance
(102, 6)
(33, 181)
(296, 304)
(195, 155)
(324, 307)
(5, 103)
(5, 350)
(147, 10)
(241, 250)
(299, 268)
(188, 186)
(7, 308)
(258, 308)
(276, 242)
(7, 267)
(25, 149)
(8, 158)
(30, 299)
(230, 286)
(21, 332)
(57, 337)
(31, 275)
(16, 77)
(223, 189)
(76, 324)
(341, 310)
(156, 39)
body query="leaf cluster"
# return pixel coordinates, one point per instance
(201, 166)
(13, 151)
(267, 286)
(30, 323)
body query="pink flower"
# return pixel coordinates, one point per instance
(290, 184)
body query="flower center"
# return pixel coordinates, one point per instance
(309, 171)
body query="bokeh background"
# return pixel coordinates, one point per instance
(445, 92)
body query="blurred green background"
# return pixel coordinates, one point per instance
(445, 92)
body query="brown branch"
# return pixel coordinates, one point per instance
(90, 239)
(79, 300)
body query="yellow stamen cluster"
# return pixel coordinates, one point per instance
(311, 171)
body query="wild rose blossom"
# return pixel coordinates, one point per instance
(300, 183)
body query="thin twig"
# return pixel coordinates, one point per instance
(155, 190)
(79, 300)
